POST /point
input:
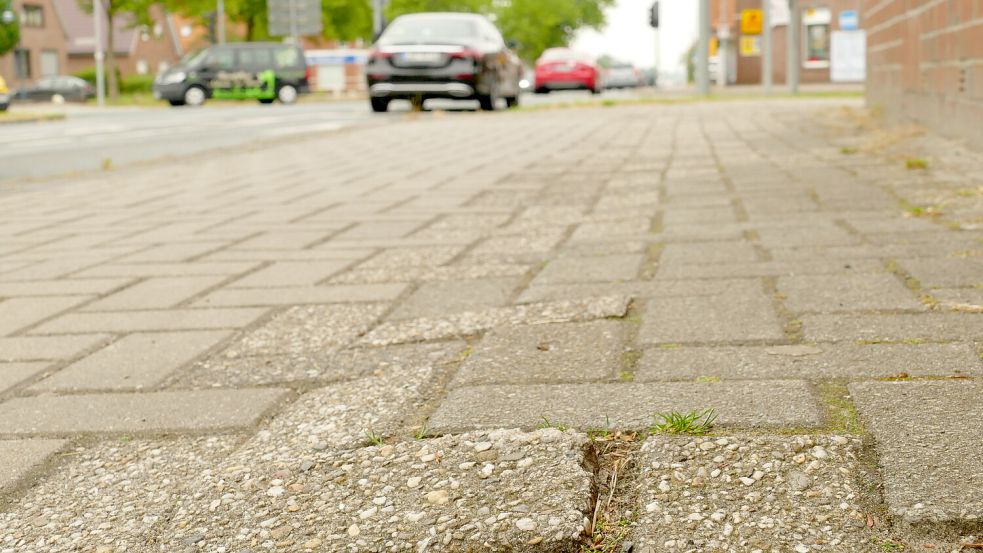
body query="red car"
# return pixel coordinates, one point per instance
(565, 69)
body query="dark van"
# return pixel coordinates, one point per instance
(264, 71)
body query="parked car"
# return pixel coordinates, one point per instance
(442, 55)
(623, 75)
(4, 95)
(47, 89)
(264, 71)
(566, 69)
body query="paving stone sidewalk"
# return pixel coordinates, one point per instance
(469, 342)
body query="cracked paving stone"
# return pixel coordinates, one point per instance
(468, 323)
(625, 405)
(110, 497)
(767, 493)
(569, 352)
(927, 437)
(502, 490)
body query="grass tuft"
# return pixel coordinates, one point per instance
(916, 163)
(695, 422)
(552, 424)
(374, 437)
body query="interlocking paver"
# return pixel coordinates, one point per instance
(929, 448)
(768, 493)
(942, 273)
(155, 293)
(893, 327)
(39, 348)
(625, 405)
(335, 293)
(717, 318)
(150, 320)
(290, 273)
(12, 374)
(19, 457)
(137, 361)
(18, 313)
(863, 292)
(62, 287)
(435, 299)
(605, 268)
(810, 361)
(149, 412)
(570, 352)
(698, 253)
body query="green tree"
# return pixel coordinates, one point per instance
(137, 13)
(400, 7)
(347, 19)
(541, 24)
(9, 32)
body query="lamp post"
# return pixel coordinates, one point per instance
(97, 31)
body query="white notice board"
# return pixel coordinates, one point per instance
(848, 56)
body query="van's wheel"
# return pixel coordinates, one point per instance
(195, 96)
(380, 105)
(287, 94)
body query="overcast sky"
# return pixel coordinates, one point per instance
(628, 36)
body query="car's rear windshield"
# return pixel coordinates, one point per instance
(429, 30)
(562, 54)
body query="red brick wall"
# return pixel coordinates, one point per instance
(50, 37)
(925, 62)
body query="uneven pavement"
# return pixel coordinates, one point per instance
(462, 333)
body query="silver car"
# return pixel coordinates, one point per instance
(623, 75)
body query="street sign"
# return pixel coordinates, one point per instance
(849, 20)
(751, 22)
(750, 46)
(294, 18)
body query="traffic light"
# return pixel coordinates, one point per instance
(654, 15)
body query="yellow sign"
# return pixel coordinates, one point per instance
(713, 46)
(751, 22)
(750, 46)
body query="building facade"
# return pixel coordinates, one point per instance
(926, 62)
(821, 21)
(42, 48)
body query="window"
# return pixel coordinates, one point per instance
(49, 63)
(222, 59)
(32, 16)
(287, 57)
(815, 22)
(256, 58)
(22, 63)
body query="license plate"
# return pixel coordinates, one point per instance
(420, 57)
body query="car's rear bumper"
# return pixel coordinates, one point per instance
(564, 84)
(450, 89)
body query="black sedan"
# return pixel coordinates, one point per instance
(442, 55)
(71, 89)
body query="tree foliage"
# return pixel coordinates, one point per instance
(347, 19)
(535, 24)
(9, 33)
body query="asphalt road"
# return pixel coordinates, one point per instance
(89, 137)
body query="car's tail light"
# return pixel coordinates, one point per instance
(467, 54)
(379, 55)
(309, 74)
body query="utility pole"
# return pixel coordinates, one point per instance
(220, 21)
(654, 23)
(794, 45)
(293, 22)
(766, 46)
(378, 17)
(97, 31)
(703, 50)
(723, 33)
